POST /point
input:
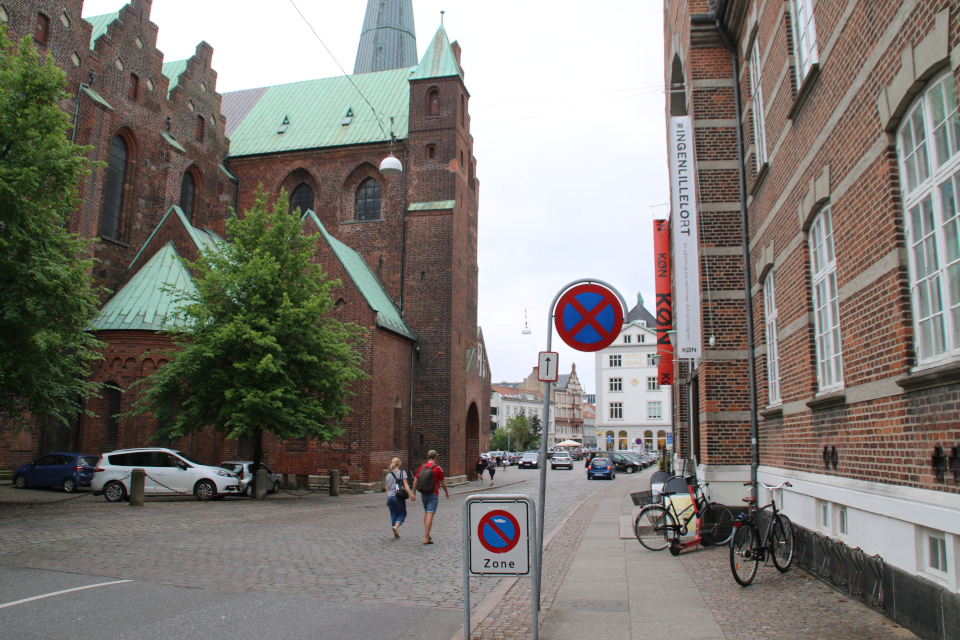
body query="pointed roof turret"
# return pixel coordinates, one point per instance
(439, 59)
(388, 39)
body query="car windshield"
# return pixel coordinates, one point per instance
(87, 461)
(529, 456)
(600, 462)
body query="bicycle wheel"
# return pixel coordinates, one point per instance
(744, 558)
(718, 522)
(654, 528)
(781, 539)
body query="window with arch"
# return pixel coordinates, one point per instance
(368, 200)
(622, 440)
(188, 192)
(431, 151)
(648, 439)
(826, 304)
(200, 125)
(41, 28)
(132, 86)
(927, 147)
(463, 110)
(113, 189)
(302, 198)
(609, 436)
(433, 103)
(113, 397)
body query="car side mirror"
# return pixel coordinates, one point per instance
(183, 466)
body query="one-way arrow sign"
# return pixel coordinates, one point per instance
(547, 369)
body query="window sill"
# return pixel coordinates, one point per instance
(930, 378)
(361, 221)
(112, 241)
(761, 176)
(772, 412)
(828, 401)
(805, 88)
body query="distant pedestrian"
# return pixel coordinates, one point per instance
(398, 490)
(479, 467)
(500, 462)
(493, 470)
(429, 479)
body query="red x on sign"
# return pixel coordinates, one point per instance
(588, 317)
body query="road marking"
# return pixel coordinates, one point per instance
(57, 593)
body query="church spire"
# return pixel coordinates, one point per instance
(388, 40)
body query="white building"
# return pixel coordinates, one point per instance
(508, 402)
(632, 408)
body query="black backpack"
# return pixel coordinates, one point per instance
(425, 479)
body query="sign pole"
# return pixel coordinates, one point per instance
(544, 430)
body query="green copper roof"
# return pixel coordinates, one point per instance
(366, 281)
(388, 39)
(151, 295)
(228, 173)
(172, 142)
(315, 110)
(172, 71)
(432, 206)
(100, 24)
(97, 97)
(439, 60)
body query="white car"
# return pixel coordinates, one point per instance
(561, 459)
(168, 472)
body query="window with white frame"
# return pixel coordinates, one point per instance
(651, 362)
(615, 361)
(756, 105)
(843, 522)
(927, 147)
(653, 384)
(773, 351)
(626, 339)
(642, 338)
(823, 516)
(616, 410)
(826, 305)
(654, 410)
(804, 37)
(616, 384)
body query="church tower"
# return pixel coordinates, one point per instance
(388, 40)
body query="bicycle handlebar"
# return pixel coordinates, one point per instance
(779, 486)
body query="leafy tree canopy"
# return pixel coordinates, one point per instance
(47, 300)
(522, 436)
(256, 348)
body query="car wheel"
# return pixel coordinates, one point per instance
(69, 485)
(249, 490)
(20, 482)
(276, 486)
(114, 491)
(630, 469)
(205, 490)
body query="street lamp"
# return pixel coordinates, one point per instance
(526, 328)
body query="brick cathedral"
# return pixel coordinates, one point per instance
(178, 155)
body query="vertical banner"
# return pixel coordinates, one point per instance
(686, 250)
(661, 253)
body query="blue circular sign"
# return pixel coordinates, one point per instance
(588, 317)
(499, 531)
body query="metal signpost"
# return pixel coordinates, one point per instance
(589, 317)
(498, 536)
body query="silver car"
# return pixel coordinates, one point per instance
(242, 469)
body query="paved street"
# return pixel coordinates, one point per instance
(312, 568)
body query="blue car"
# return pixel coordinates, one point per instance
(601, 467)
(67, 470)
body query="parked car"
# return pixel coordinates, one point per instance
(168, 472)
(601, 467)
(530, 460)
(61, 469)
(626, 461)
(561, 459)
(575, 454)
(242, 469)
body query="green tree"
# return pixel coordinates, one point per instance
(47, 299)
(535, 425)
(255, 347)
(498, 440)
(521, 435)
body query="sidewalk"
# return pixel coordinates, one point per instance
(600, 583)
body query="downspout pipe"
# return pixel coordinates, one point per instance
(715, 19)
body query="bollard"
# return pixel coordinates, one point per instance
(292, 482)
(137, 480)
(261, 484)
(334, 482)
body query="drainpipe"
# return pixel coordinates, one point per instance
(403, 225)
(715, 19)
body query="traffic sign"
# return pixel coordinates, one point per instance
(669, 438)
(499, 537)
(548, 365)
(588, 317)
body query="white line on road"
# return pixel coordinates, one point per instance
(57, 593)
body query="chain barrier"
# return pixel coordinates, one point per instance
(147, 475)
(70, 499)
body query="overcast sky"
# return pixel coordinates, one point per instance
(567, 111)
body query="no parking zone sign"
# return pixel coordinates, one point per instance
(500, 536)
(589, 317)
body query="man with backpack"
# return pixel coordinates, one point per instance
(428, 481)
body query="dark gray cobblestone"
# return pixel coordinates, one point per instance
(782, 605)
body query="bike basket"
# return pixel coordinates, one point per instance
(642, 498)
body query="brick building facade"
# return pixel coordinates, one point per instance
(178, 156)
(842, 116)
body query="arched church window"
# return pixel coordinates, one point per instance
(302, 198)
(433, 103)
(368, 200)
(113, 189)
(187, 193)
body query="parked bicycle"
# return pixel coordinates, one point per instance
(748, 549)
(660, 525)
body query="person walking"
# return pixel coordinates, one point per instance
(429, 479)
(493, 470)
(398, 490)
(500, 463)
(479, 467)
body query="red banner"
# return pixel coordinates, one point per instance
(661, 253)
